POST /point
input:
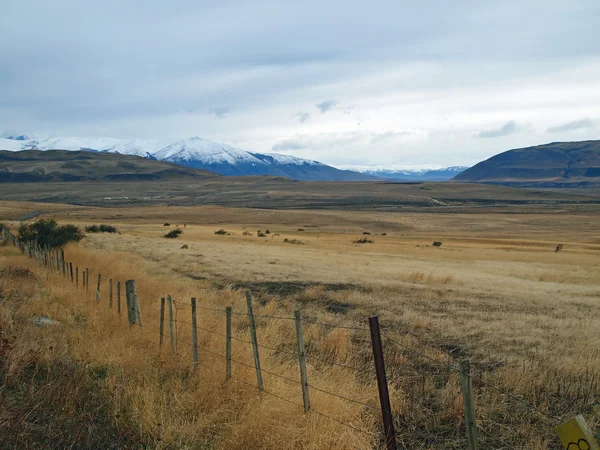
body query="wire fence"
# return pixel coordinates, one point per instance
(414, 434)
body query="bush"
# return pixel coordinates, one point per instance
(261, 234)
(247, 233)
(437, 243)
(300, 229)
(173, 234)
(166, 224)
(366, 232)
(293, 241)
(363, 241)
(47, 233)
(222, 232)
(558, 248)
(101, 229)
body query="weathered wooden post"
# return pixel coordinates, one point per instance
(228, 343)
(302, 361)
(119, 298)
(77, 276)
(98, 288)
(87, 279)
(194, 334)
(259, 379)
(110, 293)
(384, 396)
(162, 320)
(71, 270)
(171, 324)
(130, 296)
(467, 395)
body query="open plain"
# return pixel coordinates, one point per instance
(497, 291)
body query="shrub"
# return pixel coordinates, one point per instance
(363, 241)
(384, 234)
(222, 232)
(261, 234)
(366, 232)
(558, 248)
(101, 229)
(47, 233)
(166, 224)
(293, 241)
(437, 243)
(247, 233)
(173, 234)
(267, 232)
(300, 229)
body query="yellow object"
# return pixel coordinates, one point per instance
(576, 435)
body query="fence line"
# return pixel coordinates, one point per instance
(55, 261)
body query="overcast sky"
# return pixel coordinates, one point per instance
(344, 82)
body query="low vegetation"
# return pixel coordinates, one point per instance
(292, 241)
(47, 233)
(437, 243)
(362, 241)
(222, 232)
(103, 228)
(174, 234)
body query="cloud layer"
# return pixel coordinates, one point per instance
(419, 84)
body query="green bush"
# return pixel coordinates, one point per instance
(47, 233)
(173, 234)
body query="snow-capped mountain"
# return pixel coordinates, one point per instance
(197, 153)
(411, 173)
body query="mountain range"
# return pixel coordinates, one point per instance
(224, 159)
(197, 153)
(414, 174)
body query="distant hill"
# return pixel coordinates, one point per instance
(197, 153)
(559, 164)
(62, 165)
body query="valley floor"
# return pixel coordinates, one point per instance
(496, 292)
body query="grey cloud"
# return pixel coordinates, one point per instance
(302, 116)
(221, 111)
(326, 105)
(509, 127)
(571, 126)
(288, 144)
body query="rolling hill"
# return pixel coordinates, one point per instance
(62, 165)
(558, 164)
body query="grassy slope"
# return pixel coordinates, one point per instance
(61, 165)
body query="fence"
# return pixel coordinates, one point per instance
(54, 260)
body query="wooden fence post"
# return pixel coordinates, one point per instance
(71, 270)
(87, 279)
(162, 320)
(171, 324)
(110, 293)
(259, 379)
(302, 361)
(194, 334)
(130, 299)
(384, 395)
(98, 288)
(119, 298)
(227, 343)
(77, 276)
(467, 395)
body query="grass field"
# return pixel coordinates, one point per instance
(495, 292)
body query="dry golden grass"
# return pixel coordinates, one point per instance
(495, 292)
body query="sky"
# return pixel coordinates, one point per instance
(380, 83)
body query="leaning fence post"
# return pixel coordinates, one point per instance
(162, 320)
(171, 325)
(77, 276)
(110, 293)
(302, 360)
(467, 395)
(254, 340)
(71, 270)
(87, 279)
(227, 343)
(384, 395)
(194, 333)
(98, 288)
